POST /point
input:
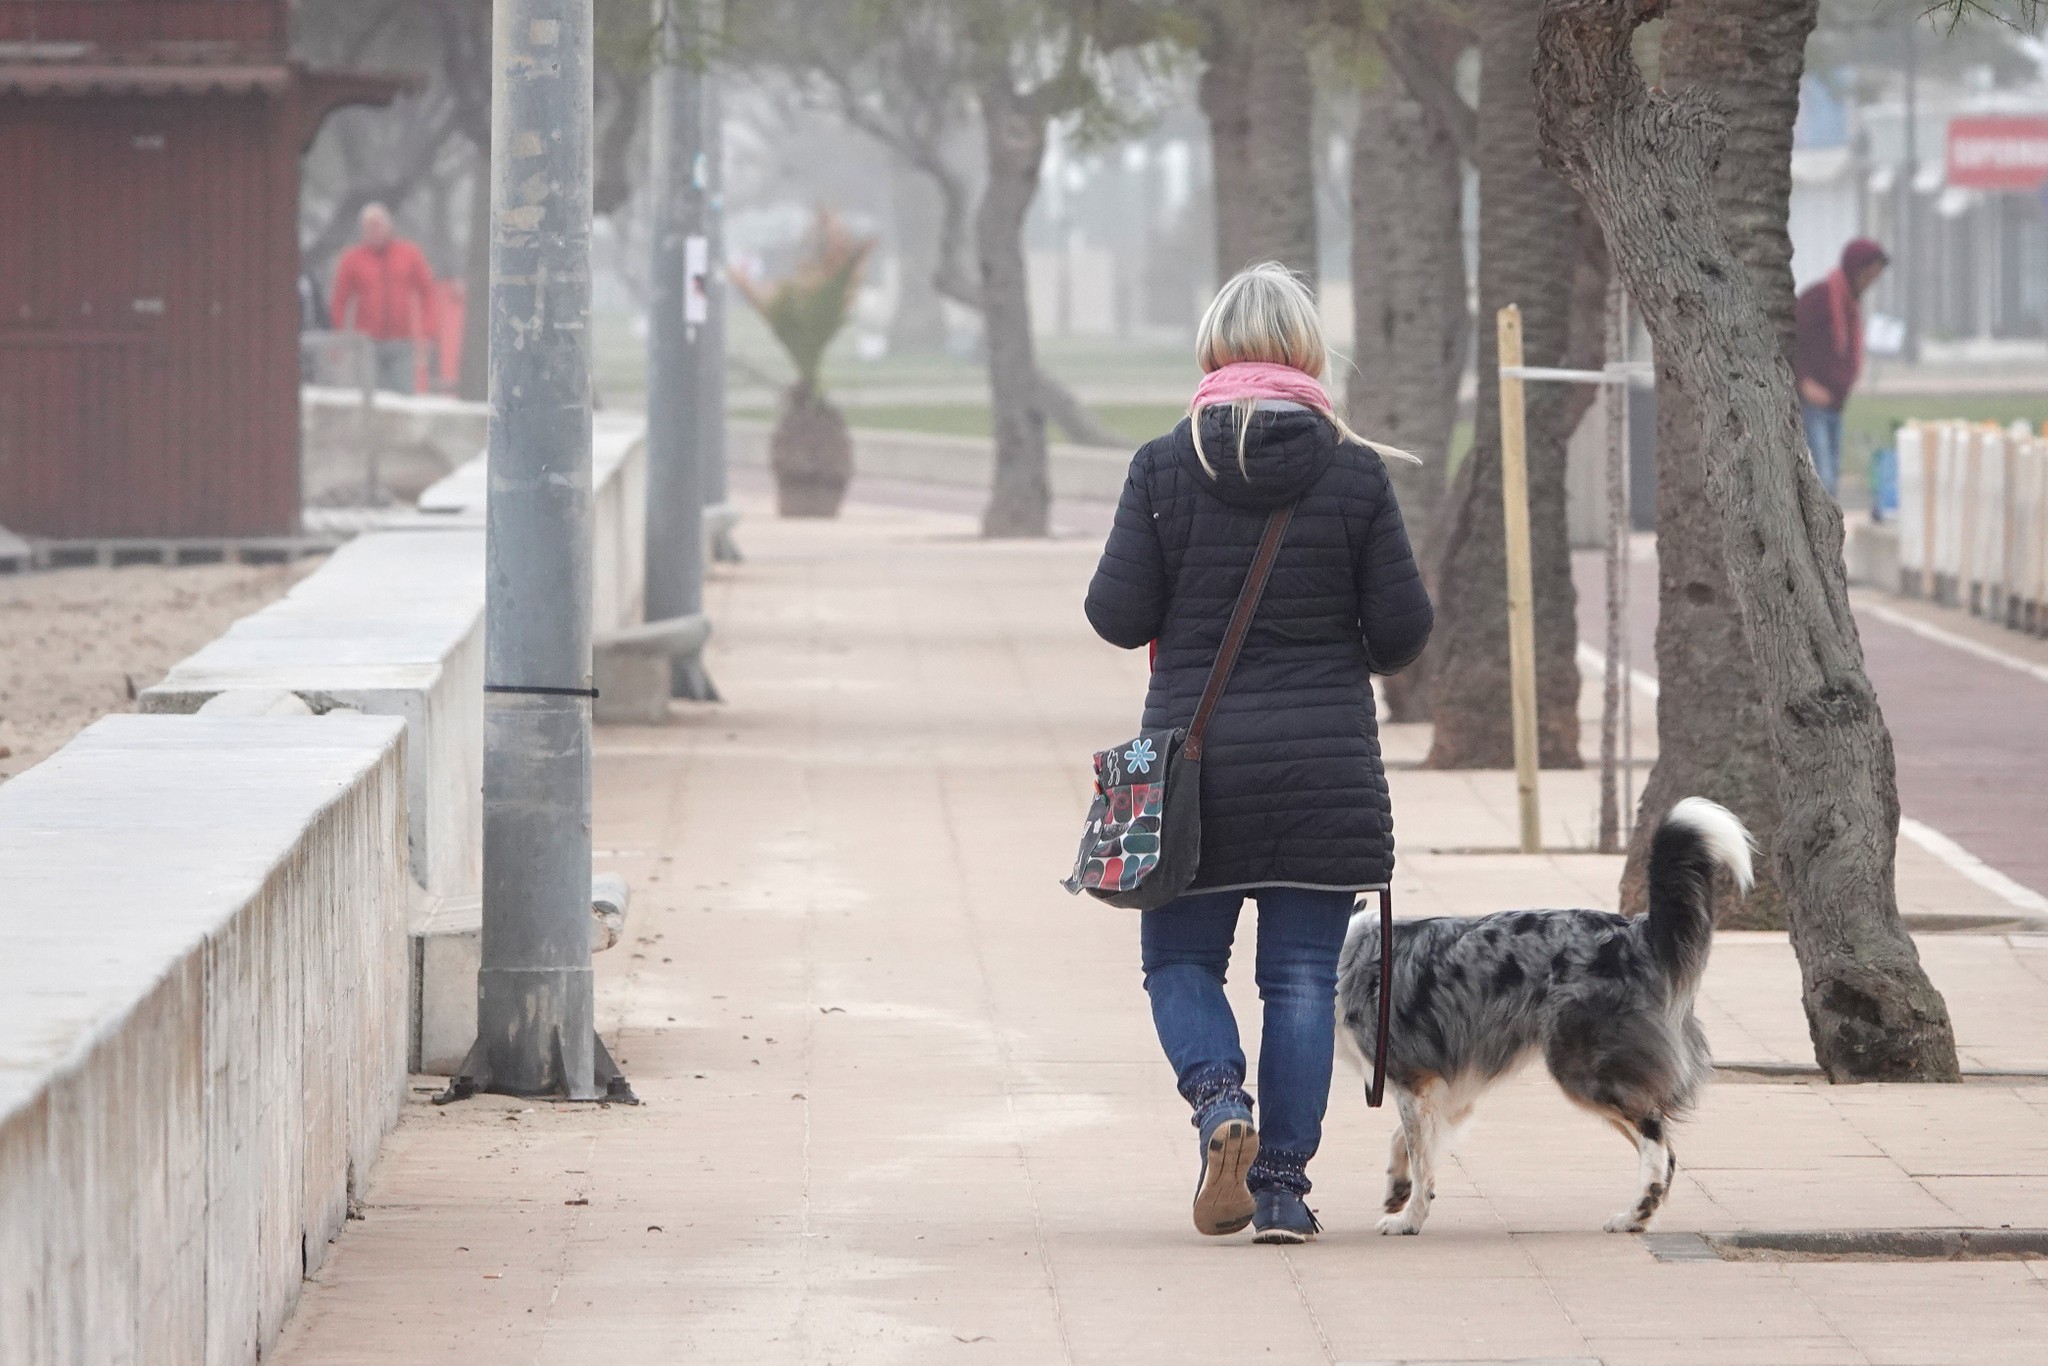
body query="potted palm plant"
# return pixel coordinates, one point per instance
(811, 451)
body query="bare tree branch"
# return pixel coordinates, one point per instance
(2021, 15)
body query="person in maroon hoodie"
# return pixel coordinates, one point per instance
(1827, 352)
(384, 288)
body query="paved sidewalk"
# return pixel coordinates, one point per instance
(904, 1105)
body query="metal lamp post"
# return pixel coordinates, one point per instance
(677, 340)
(717, 487)
(536, 1033)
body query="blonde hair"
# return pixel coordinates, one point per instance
(1266, 313)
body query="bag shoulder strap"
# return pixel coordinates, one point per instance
(1240, 627)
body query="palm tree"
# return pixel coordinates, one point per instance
(1539, 249)
(1711, 736)
(1410, 302)
(1645, 160)
(1258, 93)
(811, 451)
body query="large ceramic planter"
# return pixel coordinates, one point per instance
(811, 455)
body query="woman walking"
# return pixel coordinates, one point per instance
(1295, 812)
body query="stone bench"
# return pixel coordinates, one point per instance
(202, 1026)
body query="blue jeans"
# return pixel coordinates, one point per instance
(1824, 439)
(1186, 953)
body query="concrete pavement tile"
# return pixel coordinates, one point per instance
(1146, 1076)
(1992, 1201)
(432, 1284)
(1477, 1318)
(1849, 1193)
(764, 1325)
(1453, 1251)
(1735, 1300)
(1579, 1253)
(1768, 1127)
(1716, 1350)
(1998, 1005)
(1226, 1302)
(1754, 977)
(1918, 1313)
(1949, 1130)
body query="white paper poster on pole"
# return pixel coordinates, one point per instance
(696, 289)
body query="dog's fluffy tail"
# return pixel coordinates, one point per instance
(1697, 837)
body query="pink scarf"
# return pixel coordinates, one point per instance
(1848, 320)
(1256, 379)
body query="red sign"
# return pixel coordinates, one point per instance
(1998, 153)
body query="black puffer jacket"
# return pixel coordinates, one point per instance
(1293, 792)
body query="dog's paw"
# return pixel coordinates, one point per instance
(1399, 1224)
(1627, 1222)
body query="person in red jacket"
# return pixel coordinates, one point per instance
(1827, 351)
(384, 289)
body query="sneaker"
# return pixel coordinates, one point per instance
(1223, 1203)
(1283, 1217)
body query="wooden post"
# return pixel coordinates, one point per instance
(1614, 404)
(1514, 490)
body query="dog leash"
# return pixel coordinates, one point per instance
(1375, 1092)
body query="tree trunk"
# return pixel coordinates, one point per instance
(1408, 297)
(1280, 219)
(1072, 417)
(1020, 504)
(1410, 308)
(920, 321)
(1223, 93)
(1645, 162)
(1536, 249)
(1712, 740)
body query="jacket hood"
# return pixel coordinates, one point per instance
(1285, 452)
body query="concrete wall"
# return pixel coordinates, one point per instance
(393, 625)
(206, 995)
(618, 460)
(202, 1026)
(1084, 472)
(408, 441)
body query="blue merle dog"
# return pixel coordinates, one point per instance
(1606, 1000)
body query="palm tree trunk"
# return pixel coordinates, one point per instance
(1258, 95)
(1410, 319)
(1222, 93)
(1020, 503)
(1536, 249)
(920, 321)
(1712, 740)
(1645, 162)
(1280, 142)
